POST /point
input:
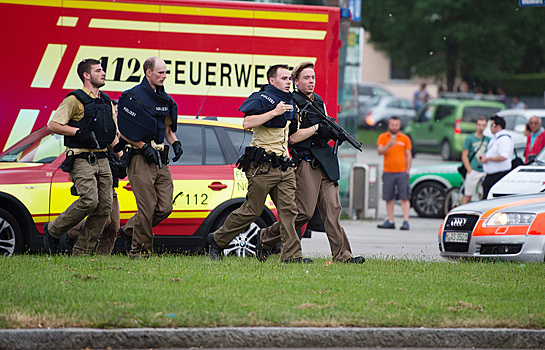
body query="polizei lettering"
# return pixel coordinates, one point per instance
(129, 112)
(268, 98)
(161, 109)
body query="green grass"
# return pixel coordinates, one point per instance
(191, 291)
(369, 136)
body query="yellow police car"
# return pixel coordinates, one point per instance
(207, 188)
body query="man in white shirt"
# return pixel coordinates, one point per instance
(497, 159)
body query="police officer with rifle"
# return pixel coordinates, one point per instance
(267, 165)
(86, 119)
(317, 168)
(147, 116)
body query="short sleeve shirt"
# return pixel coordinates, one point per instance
(395, 160)
(473, 144)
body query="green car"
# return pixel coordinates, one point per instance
(442, 125)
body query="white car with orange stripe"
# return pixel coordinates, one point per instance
(507, 228)
(207, 188)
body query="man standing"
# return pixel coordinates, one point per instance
(536, 138)
(421, 97)
(317, 173)
(474, 146)
(396, 148)
(268, 169)
(147, 116)
(86, 119)
(497, 159)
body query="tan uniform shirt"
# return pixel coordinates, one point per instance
(272, 139)
(72, 109)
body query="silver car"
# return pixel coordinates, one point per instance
(507, 228)
(377, 110)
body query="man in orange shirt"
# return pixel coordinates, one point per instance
(396, 148)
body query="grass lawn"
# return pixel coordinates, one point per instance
(368, 136)
(191, 291)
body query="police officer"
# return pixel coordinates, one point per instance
(270, 114)
(317, 173)
(147, 116)
(86, 119)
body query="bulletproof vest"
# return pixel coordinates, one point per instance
(266, 100)
(142, 113)
(315, 145)
(98, 117)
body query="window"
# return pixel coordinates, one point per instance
(213, 153)
(44, 150)
(443, 112)
(240, 139)
(192, 143)
(471, 114)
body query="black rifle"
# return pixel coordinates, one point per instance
(355, 143)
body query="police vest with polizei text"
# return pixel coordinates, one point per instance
(98, 117)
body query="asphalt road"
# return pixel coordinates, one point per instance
(420, 242)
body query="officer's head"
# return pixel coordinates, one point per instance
(90, 72)
(304, 77)
(155, 70)
(497, 124)
(279, 77)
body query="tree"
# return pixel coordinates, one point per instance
(477, 40)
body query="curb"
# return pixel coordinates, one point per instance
(269, 337)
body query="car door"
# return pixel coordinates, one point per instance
(420, 129)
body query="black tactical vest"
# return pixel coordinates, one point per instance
(98, 117)
(316, 146)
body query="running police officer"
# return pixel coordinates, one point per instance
(317, 172)
(268, 168)
(147, 116)
(86, 119)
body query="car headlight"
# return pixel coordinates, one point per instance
(509, 219)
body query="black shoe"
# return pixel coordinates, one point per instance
(261, 253)
(66, 244)
(214, 250)
(387, 224)
(299, 261)
(51, 244)
(355, 260)
(126, 238)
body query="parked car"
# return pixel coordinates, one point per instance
(377, 110)
(366, 91)
(207, 188)
(508, 228)
(435, 188)
(515, 122)
(442, 125)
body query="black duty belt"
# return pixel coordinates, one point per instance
(91, 157)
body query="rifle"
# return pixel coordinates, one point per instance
(355, 143)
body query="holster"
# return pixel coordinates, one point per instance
(164, 155)
(68, 164)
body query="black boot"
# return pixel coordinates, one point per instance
(126, 239)
(51, 244)
(214, 250)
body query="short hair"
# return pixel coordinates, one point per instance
(300, 67)
(480, 118)
(271, 72)
(394, 117)
(149, 63)
(114, 102)
(85, 67)
(498, 121)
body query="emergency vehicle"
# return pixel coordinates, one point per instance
(217, 54)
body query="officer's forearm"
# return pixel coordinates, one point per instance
(138, 144)
(59, 129)
(302, 134)
(170, 136)
(252, 121)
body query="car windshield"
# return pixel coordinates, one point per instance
(42, 150)
(471, 114)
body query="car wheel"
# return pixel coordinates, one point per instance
(452, 199)
(11, 239)
(245, 244)
(446, 151)
(428, 199)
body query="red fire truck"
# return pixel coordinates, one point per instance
(217, 52)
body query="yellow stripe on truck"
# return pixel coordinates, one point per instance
(176, 10)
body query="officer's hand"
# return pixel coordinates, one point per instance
(325, 131)
(84, 137)
(150, 154)
(282, 108)
(340, 138)
(178, 151)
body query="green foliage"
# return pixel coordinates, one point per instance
(192, 291)
(477, 40)
(524, 84)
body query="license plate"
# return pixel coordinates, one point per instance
(457, 237)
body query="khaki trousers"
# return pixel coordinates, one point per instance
(94, 186)
(109, 233)
(315, 188)
(152, 188)
(280, 185)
